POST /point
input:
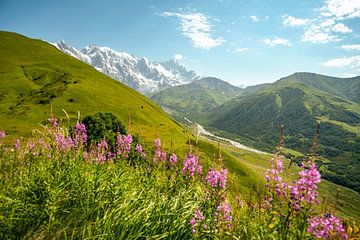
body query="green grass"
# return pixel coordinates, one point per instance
(347, 127)
(344, 201)
(68, 198)
(33, 73)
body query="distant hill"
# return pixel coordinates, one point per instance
(34, 73)
(297, 102)
(198, 97)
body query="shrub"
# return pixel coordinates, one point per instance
(103, 126)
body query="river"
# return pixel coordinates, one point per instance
(201, 131)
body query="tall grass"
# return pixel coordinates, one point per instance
(53, 187)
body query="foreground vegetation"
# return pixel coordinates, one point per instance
(59, 185)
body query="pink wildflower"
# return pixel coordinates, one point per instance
(80, 134)
(191, 165)
(198, 217)
(124, 144)
(17, 144)
(63, 143)
(53, 121)
(159, 155)
(173, 159)
(223, 215)
(31, 145)
(328, 227)
(217, 178)
(305, 189)
(2, 134)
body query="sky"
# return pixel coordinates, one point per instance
(242, 42)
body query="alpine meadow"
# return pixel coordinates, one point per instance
(180, 120)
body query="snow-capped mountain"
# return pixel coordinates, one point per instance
(138, 73)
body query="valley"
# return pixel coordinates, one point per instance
(241, 124)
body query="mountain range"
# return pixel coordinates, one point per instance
(196, 98)
(255, 114)
(138, 73)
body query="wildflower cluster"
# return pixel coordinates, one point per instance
(159, 156)
(80, 134)
(218, 213)
(285, 207)
(223, 216)
(191, 166)
(196, 221)
(327, 227)
(217, 179)
(275, 185)
(294, 202)
(304, 191)
(123, 144)
(139, 150)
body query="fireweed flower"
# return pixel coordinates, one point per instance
(173, 159)
(86, 155)
(223, 215)
(63, 143)
(53, 121)
(140, 150)
(191, 166)
(217, 178)
(305, 189)
(123, 143)
(31, 145)
(80, 134)
(102, 151)
(327, 227)
(17, 144)
(2, 134)
(120, 144)
(159, 155)
(196, 220)
(275, 185)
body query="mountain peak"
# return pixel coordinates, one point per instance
(139, 73)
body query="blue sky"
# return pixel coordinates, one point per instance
(242, 42)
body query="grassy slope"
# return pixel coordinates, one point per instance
(297, 105)
(345, 202)
(31, 69)
(195, 99)
(93, 92)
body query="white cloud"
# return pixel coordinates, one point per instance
(341, 9)
(316, 34)
(327, 27)
(276, 41)
(197, 28)
(290, 21)
(241, 50)
(178, 56)
(353, 62)
(254, 18)
(341, 28)
(327, 22)
(350, 47)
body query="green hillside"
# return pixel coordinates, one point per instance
(35, 77)
(196, 98)
(297, 102)
(34, 73)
